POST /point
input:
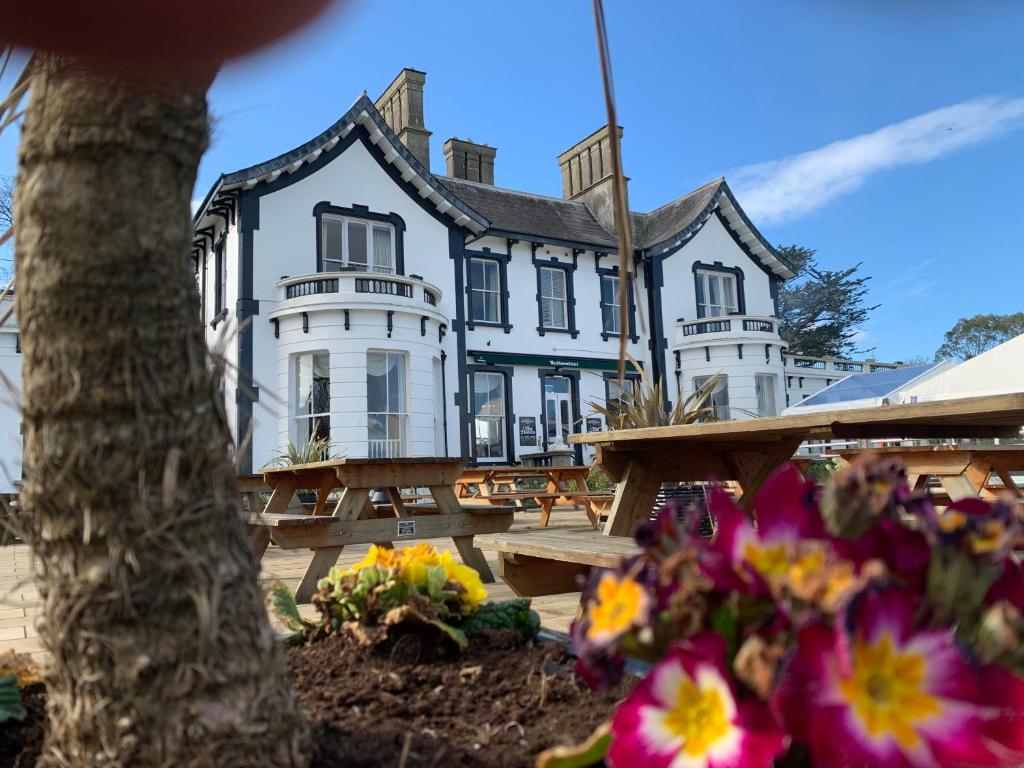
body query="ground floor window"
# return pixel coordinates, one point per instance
(489, 416)
(764, 384)
(311, 397)
(719, 399)
(386, 404)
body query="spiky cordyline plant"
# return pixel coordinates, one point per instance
(313, 450)
(644, 406)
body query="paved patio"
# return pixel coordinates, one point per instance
(19, 600)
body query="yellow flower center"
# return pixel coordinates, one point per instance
(698, 718)
(885, 690)
(769, 560)
(620, 603)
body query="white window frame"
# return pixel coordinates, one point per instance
(374, 262)
(553, 300)
(487, 293)
(721, 409)
(390, 446)
(500, 420)
(720, 308)
(766, 383)
(303, 423)
(610, 310)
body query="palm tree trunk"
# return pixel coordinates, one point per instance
(162, 654)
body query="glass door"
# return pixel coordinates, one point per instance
(557, 411)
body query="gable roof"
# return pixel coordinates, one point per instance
(671, 226)
(365, 114)
(523, 213)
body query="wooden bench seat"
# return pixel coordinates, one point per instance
(549, 562)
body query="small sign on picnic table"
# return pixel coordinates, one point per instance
(593, 424)
(527, 430)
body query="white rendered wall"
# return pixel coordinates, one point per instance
(10, 403)
(741, 374)
(285, 244)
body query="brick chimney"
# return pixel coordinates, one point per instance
(401, 105)
(470, 161)
(587, 175)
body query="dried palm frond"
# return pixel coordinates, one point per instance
(644, 405)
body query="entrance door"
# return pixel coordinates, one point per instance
(557, 411)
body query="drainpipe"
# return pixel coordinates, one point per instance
(444, 402)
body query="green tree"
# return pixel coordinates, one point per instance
(973, 335)
(821, 309)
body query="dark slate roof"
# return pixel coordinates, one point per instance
(522, 213)
(671, 219)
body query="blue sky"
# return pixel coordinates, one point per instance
(879, 131)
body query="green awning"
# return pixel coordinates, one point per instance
(541, 361)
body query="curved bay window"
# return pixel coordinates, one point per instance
(311, 395)
(385, 404)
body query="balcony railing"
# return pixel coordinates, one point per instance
(833, 365)
(735, 325)
(304, 292)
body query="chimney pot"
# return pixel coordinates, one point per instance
(401, 106)
(469, 160)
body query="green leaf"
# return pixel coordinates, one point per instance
(591, 752)
(11, 707)
(508, 614)
(436, 581)
(287, 610)
(457, 635)
(724, 622)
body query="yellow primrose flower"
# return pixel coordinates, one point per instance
(381, 557)
(621, 604)
(474, 591)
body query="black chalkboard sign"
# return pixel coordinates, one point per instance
(527, 430)
(593, 424)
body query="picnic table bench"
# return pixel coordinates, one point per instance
(962, 470)
(501, 485)
(353, 519)
(536, 562)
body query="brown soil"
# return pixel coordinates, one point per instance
(21, 742)
(494, 706)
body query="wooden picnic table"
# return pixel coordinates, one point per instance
(639, 460)
(353, 519)
(500, 485)
(962, 470)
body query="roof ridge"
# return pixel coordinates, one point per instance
(484, 185)
(720, 180)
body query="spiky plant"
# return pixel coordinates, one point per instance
(313, 450)
(644, 405)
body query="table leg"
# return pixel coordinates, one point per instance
(545, 511)
(771, 461)
(395, 494)
(352, 503)
(447, 504)
(321, 564)
(327, 485)
(1007, 478)
(281, 496)
(260, 540)
(635, 495)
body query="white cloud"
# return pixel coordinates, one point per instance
(782, 190)
(195, 205)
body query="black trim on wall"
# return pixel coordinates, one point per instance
(603, 272)
(219, 283)
(507, 371)
(502, 259)
(246, 392)
(358, 211)
(609, 377)
(456, 248)
(574, 397)
(741, 299)
(774, 285)
(570, 293)
(654, 279)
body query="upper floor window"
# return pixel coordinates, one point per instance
(716, 294)
(485, 290)
(553, 298)
(353, 244)
(611, 320)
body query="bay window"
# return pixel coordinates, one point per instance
(385, 404)
(311, 397)
(718, 402)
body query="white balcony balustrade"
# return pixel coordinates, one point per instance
(728, 329)
(331, 290)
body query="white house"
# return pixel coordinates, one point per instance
(354, 294)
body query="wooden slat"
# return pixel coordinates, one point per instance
(995, 411)
(573, 545)
(284, 521)
(343, 532)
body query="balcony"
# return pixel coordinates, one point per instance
(732, 329)
(835, 367)
(357, 290)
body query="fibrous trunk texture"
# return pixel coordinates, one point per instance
(162, 654)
